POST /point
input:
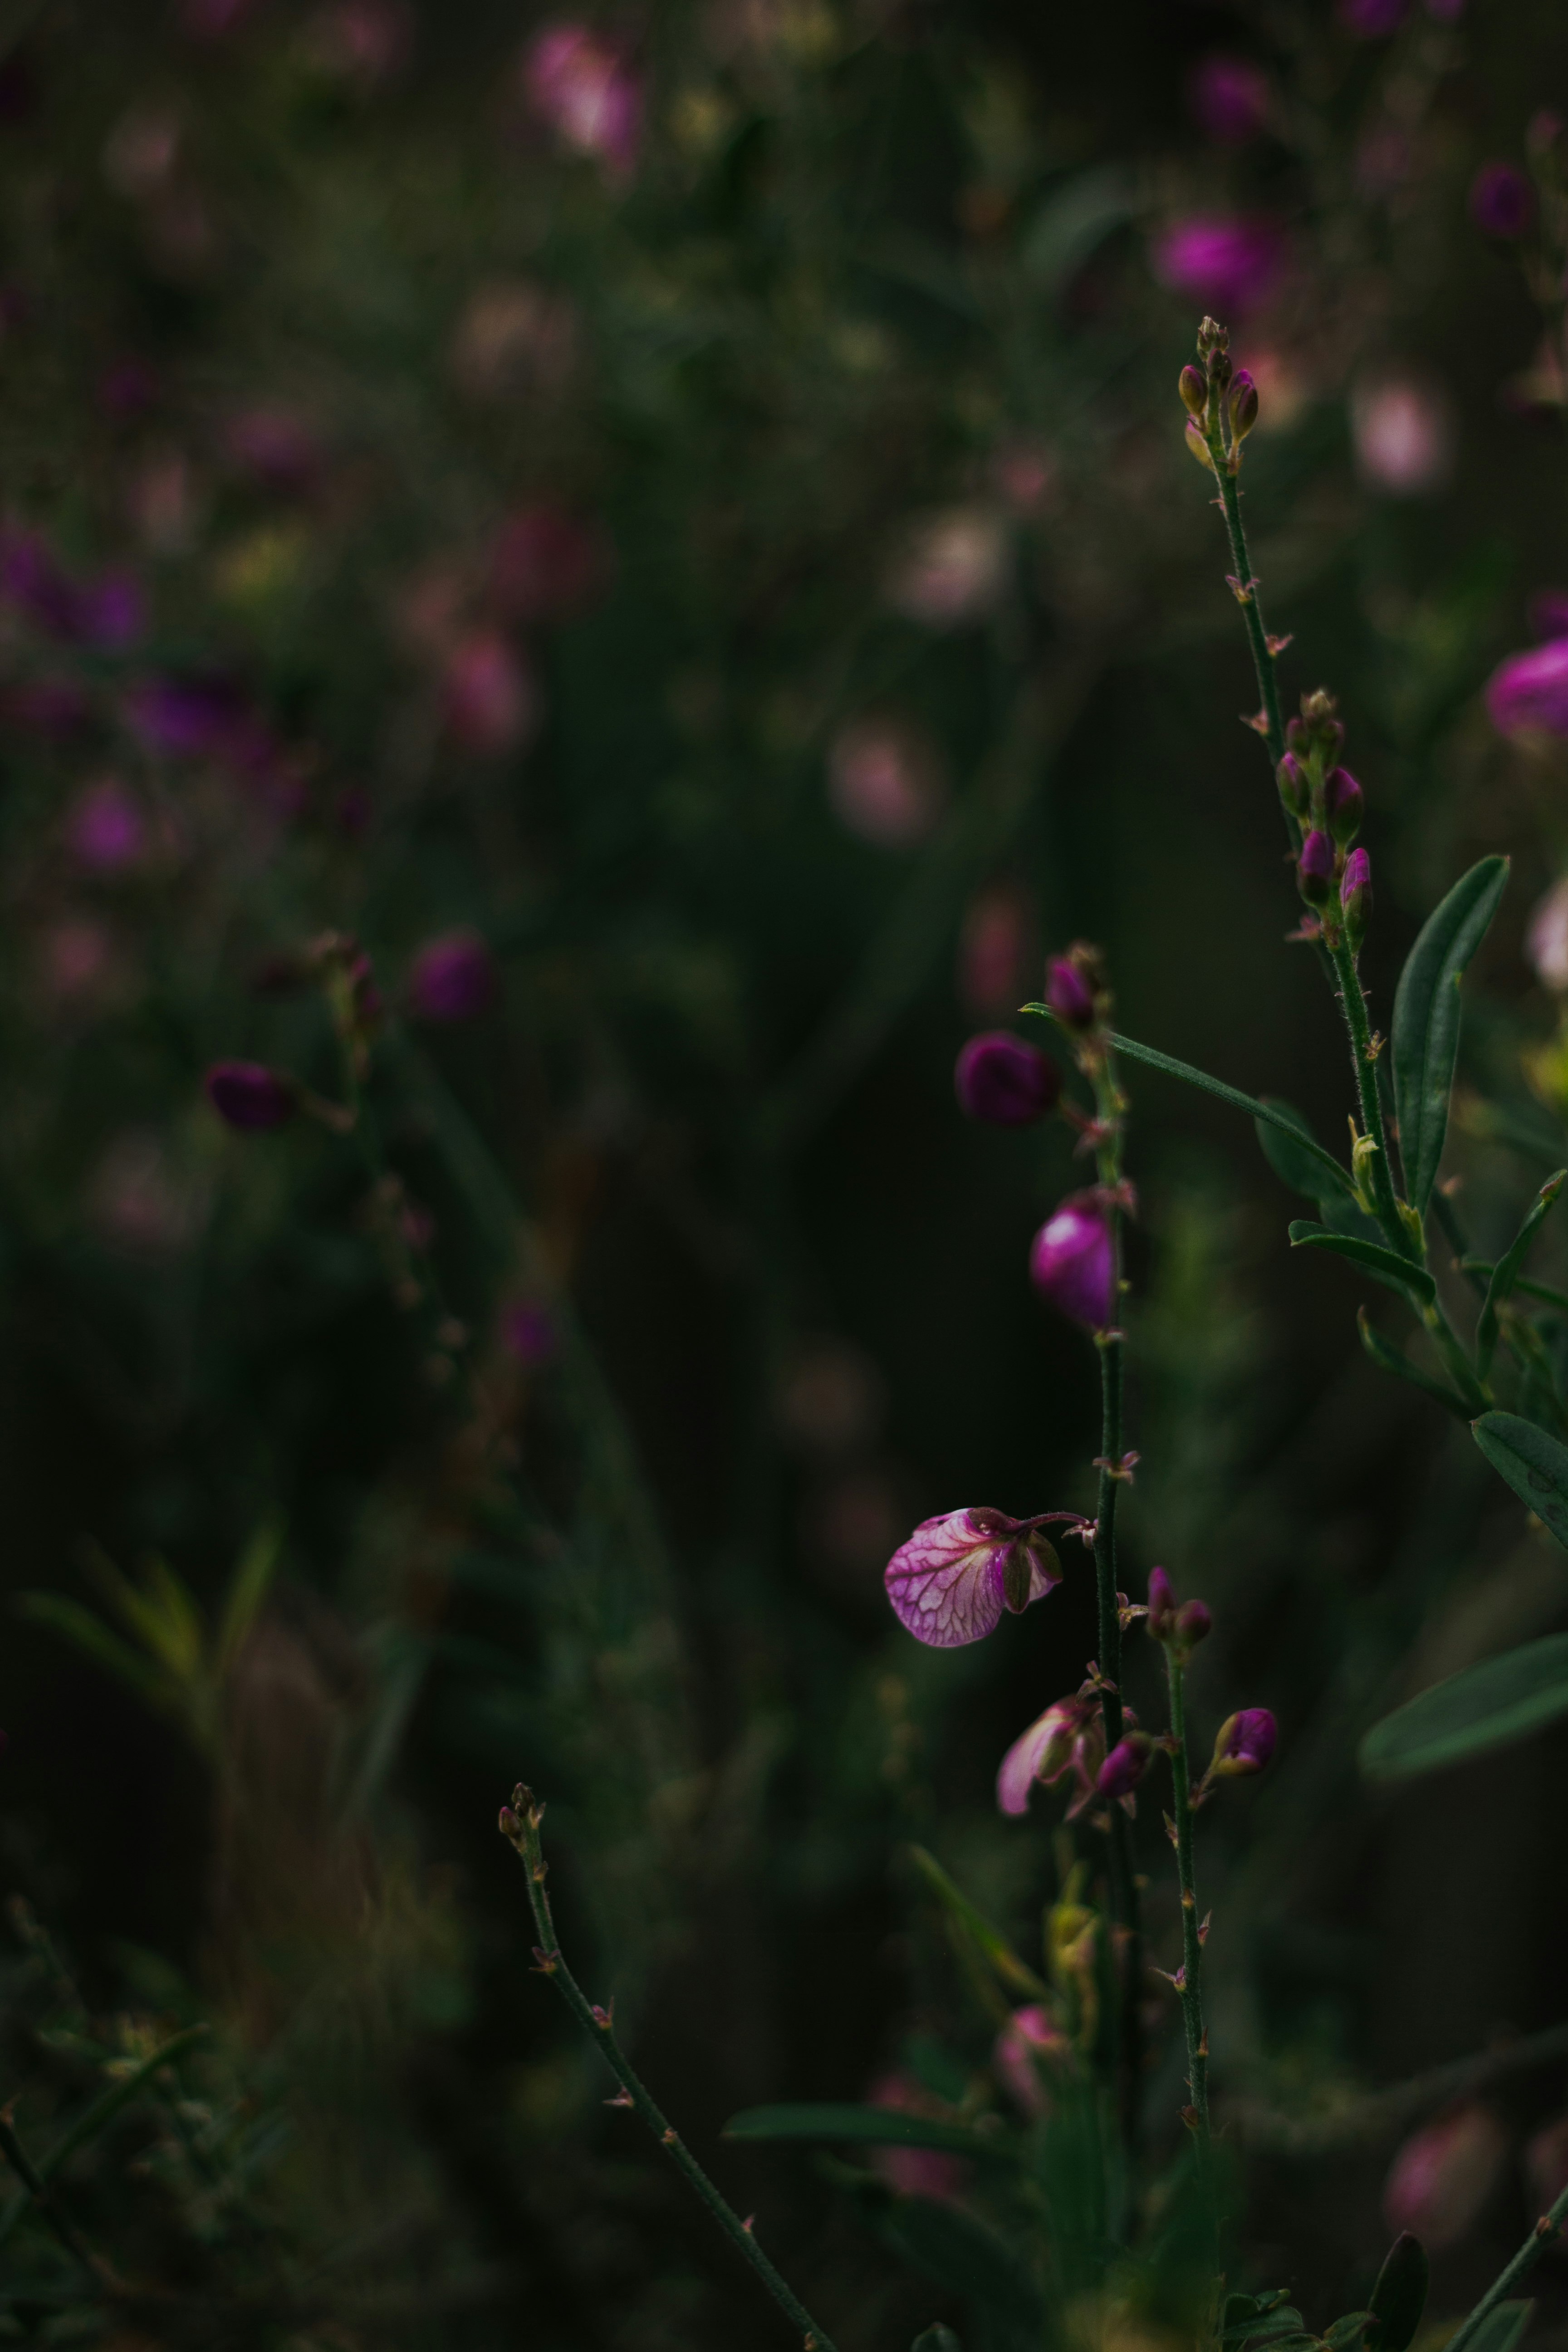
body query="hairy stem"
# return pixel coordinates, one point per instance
(1363, 1060)
(520, 1823)
(1550, 2226)
(1190, 1985)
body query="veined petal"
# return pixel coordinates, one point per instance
(945, 1581)
(1047, 1744)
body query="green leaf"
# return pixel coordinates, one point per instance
(1390, 1358)
(1298, 1159)
(991, 1941)
(1072, 221)
(1427, 1021)
(937, 2339)
(247, 1590)
(97, 2118)
(1484, 1706)
(874, 2126)
(1370, 1256)
(1506, 1271)
(1271, 2316)
(1347, 2332)
(1535, 1466)
(1399, 2298)
(1289, 1126)
(1500, 2330)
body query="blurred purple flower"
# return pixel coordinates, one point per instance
(581, 85)
(1004, 1080)
(1069, 993)
(105, 829)
(1502, 201)
(1228, 263)
(1029, 2036)
(1371, 20)
(1528, 691)
(530, 1333)
(364, 42)
(1230, 98)
(250, 1096)
(915, 2171)
(1069, 1738)
(490, 702)
(1443, 2175)
(275, 446)
(948, 1582)
(544, 564)
(993, 949)
(112, 611)
(212, 20)
(452, 978)
(884, 781)
(1125, 1766)
(187, 717)
(1072, 1262)
(36, 584)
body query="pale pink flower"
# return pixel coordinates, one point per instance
(488, 695)
(1546, 939)
(949, 1581)
(883, 783)
(1069, 1738)
(952, 569)
(994, 948)
(104, 827)
(1029, 2036)
(1527, 693)
(915, 2171)
(581, 85)
(1443, 2176)
(1403, 431)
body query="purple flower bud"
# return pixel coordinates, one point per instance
(1069, 993)
(1073, 1261)
(1125, 1766)
(1355, 896)
(452, 978)
(951, 1581)
(1345, 805)
(1193, 390)
(1006, 1081)
(1244, 1742)
(1295, 786)
(1194, 1623)
(1530, 691)
(1162, 1604)
(1315, 869)
(1230, 99)
(1069, 1738)
(249, 1096)
(1243, 405)
(1502, 201)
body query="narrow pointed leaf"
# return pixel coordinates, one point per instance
(1370, 1256)
(1500, 2330)
(1270, 1114)
(247, 1590)
(1390, 1358)
(991, 1941)
(1295, 1156)
(1426, 1020)
(1505, 1274)
(1501, 1700)
(1535, 1466)
(873, 2126)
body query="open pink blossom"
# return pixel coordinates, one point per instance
(950, 1582)
(1029, 2036)
(1528, 691)
(1069, 1738)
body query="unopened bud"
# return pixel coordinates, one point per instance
(1243, 405)
(1244, 1743)
(1197, 444)
(1125, 1766)
(1194, 1623)
(1295, 786)
(1355, 896)
(1212, 336)
(1069, 991)
(1195, 392)
(1315, 869)
(1162, 1604)
(1344, 805)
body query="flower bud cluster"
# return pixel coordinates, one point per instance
(1327, 801)
(1221, 401)
(1176, 1626)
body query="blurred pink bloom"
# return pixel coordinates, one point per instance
(545, 563)
(35, 583)
(250, 1096)
(452, 978)
(365, 42)
(1230, 96)
(1546, 2164)
(581, 85)
(1229, 264)
(1029, 2036)
(883, 783)
(112, 611)
(135, 1199)
(915, 2171)
(1443, 2176)
(78, 958)
(1502, 201)
(1529, 692)
(1403, 431)
(528, 1332)
(994, 948)
(953, 568)
(1026, 474)
(1069, 1738)
(188, 717)
(105, 828)
(488, 695)
(1546, 937)
(1371, 20)
(948, 1581)
(275, 446)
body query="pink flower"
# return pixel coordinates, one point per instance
(104, 829)
(1404, 436)
(1528, 691)
(1443, 2176)
(1546, 937)
(581, 86)
(1230, 98)
(1502, 201)
(1069, 1738)
(275, 446)
(1226, 262)
(953, 568)
(1546, 2164)
(1029, 2036)
(883, 783)
(950, 1582)
(528, 1332)
(363, 42)
(1125, 1766)
(491, 705)
(1073, 1261)
(915, 2171)
(994, 948)
(452, 978)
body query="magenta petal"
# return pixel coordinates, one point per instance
(1020, 1767)
(1531, 690)
(945, 1582)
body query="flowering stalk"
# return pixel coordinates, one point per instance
(1188, 1984)
(519, 1823)
(1551, 2225)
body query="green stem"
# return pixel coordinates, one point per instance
(1190, 1988)
(1252, 617)
(1550, 2226)
(1364, 1061)
(520, 1823)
